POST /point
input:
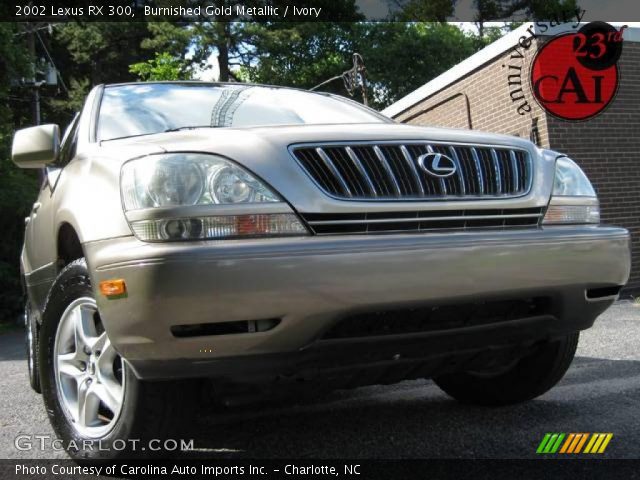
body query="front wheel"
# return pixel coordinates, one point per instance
(96, 405)
(528, 378)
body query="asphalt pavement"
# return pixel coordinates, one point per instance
(414, 419)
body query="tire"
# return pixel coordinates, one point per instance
(529, 378)
(145, 411)
(31, 340)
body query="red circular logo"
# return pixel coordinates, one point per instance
(575, 76)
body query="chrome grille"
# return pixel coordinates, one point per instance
(390, 171)
(422, 221)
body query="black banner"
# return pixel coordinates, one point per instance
(319, 468)
(312, 11)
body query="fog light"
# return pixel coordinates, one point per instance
(180, 229)
(572, 214)
(222, 226)
(175, 228)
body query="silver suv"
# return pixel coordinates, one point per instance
(270, 240)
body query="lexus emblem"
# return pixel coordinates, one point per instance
(437, 164)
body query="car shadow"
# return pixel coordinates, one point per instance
(414, 419)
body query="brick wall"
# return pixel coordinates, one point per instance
(607, 147)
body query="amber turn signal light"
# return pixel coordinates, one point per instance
(113, 288)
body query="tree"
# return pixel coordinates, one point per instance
(17, 187)
(162, 67)
(172, 38)
(423, 10)
(238, 44)
(301, 54)
(88, 54)
(101, 52)
(399, 56)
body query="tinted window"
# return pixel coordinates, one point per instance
(69, 142)
(128, 110)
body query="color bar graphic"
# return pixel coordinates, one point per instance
(574, 443)
(598, 443)
(550, 443)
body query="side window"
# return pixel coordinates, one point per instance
(69, 142)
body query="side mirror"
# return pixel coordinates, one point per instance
(36, 147)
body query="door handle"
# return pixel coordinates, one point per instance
(36, 206)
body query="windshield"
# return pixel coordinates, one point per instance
(128, 110)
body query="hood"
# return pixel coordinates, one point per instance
(210, 140)
(265, 151)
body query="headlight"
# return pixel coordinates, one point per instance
(172, 183)
(570, 180)
(181, 179)
(574, 200)
(231, 185)
(208, 186)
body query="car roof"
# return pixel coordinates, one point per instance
(216, 84)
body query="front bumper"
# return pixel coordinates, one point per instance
(310, 283)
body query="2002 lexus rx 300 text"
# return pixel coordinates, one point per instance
(270, 239)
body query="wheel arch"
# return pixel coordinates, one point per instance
(68, 244)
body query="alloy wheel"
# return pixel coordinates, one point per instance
(89, 372)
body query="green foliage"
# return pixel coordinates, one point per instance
(172, 38)
(14, 59)
(239, 45)
(78, 90)
(302, 54)
(17, 192)
(162, 67)
(425, 10)
(101, 52)
(17, 187)
(401, 57)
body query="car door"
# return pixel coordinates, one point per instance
(41, 245)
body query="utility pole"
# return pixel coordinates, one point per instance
(36, 104)
(41, 68)
(35, 87)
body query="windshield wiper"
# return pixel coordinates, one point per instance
(177, 129)
(190, 127)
